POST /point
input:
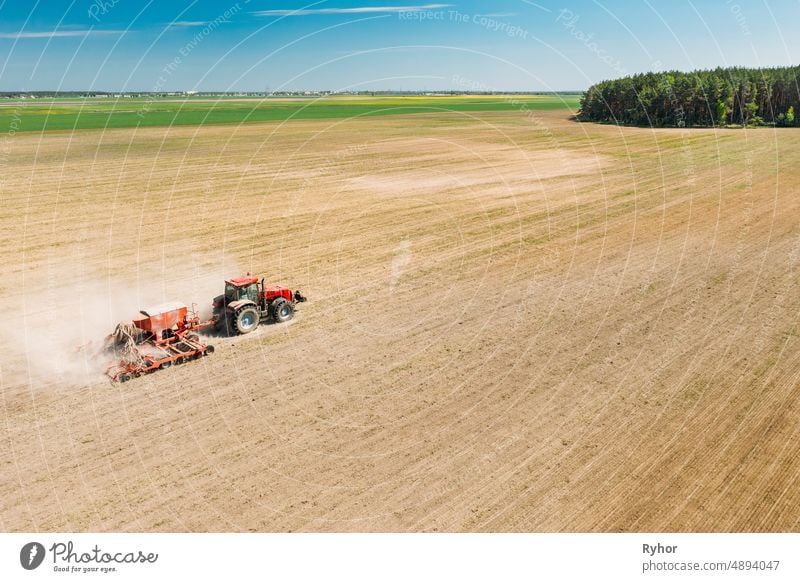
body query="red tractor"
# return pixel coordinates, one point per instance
(247, 302)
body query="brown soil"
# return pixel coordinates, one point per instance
(513, 325)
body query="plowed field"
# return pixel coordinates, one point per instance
(514, 323)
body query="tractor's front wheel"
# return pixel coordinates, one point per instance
(282, 310)
(245, 319)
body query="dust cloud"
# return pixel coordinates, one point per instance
(54, 330)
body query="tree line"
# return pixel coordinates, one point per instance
(719, 97)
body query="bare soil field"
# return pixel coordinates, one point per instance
(514, 323)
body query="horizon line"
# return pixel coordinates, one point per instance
(330, 91)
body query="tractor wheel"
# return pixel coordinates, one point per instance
(165, 365)
(244, 320)
(282, 310)
(123, 377)
(209, 351)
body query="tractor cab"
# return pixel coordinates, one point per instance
(247, 302)
(241, 288)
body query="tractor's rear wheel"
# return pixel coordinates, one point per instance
(282, 310)
(123, 377)
(245, 319)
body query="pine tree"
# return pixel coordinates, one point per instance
(721, 113)
(698, 99)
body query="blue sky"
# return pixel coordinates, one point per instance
(256, 45)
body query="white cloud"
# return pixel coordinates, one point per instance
(539, 6)
(360, 10)
(186, 23)
(58, 33)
